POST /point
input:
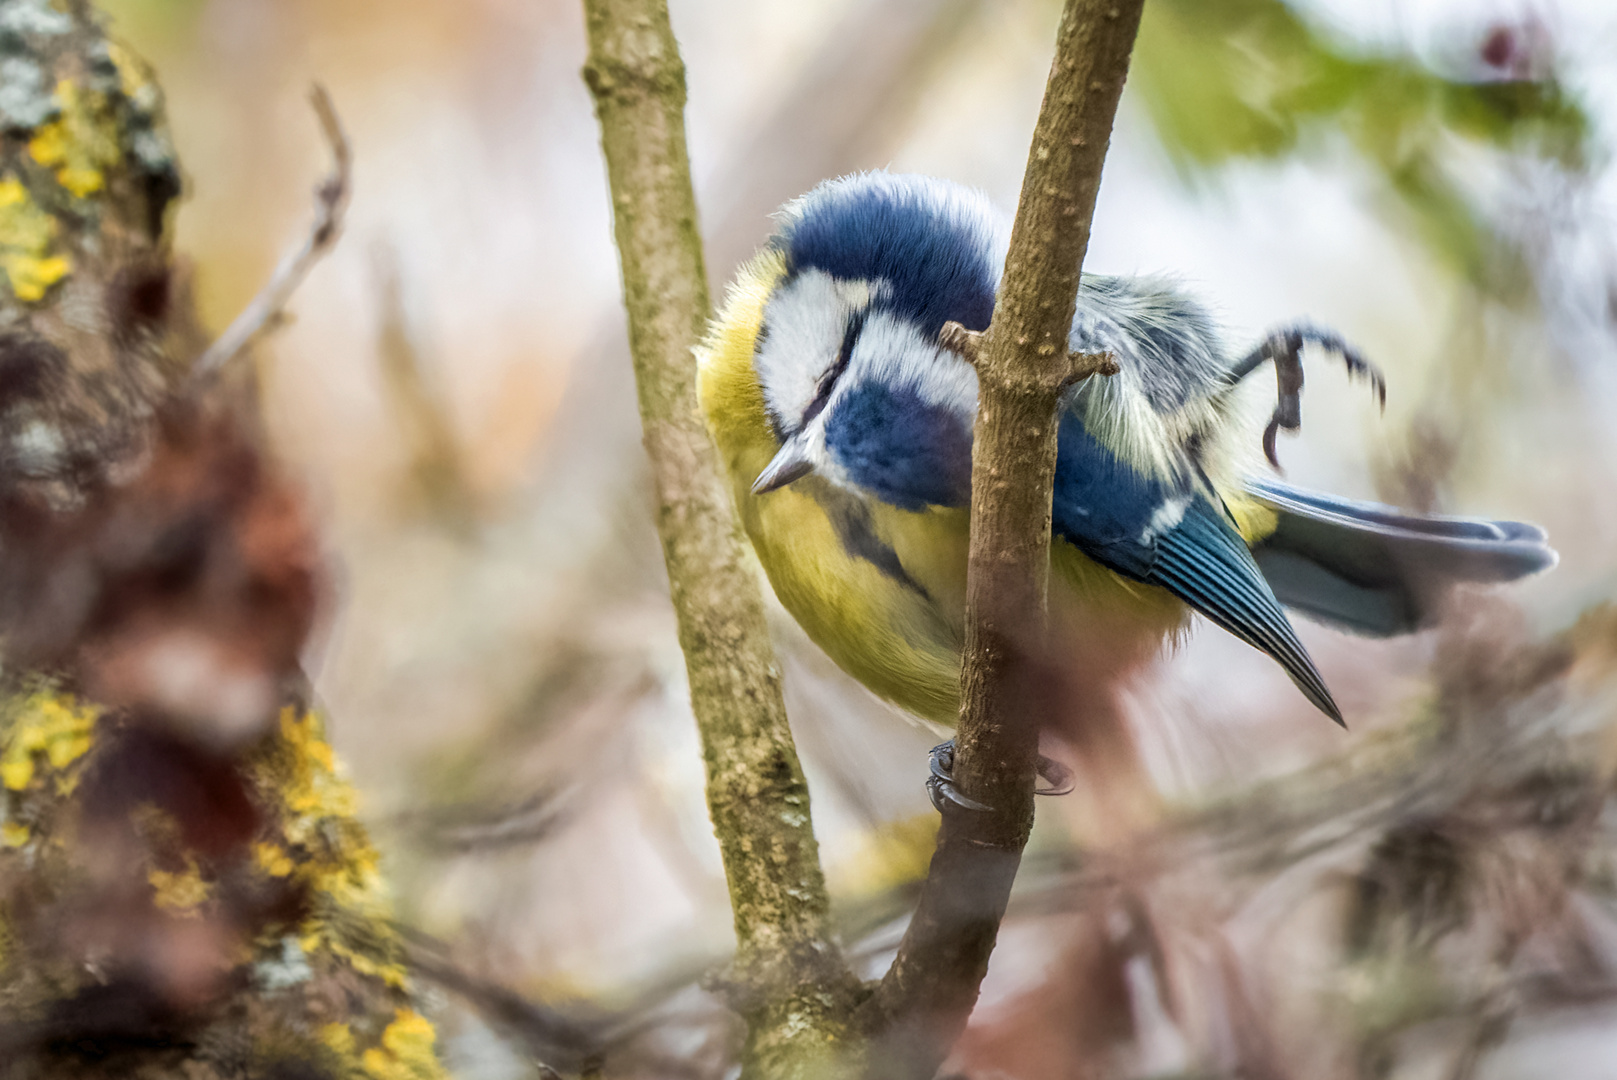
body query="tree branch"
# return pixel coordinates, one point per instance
(1022, 368)
(790, 982)
(267, 309)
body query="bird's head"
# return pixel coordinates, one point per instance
(854, 380)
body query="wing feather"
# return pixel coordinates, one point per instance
(1116, 515)
(1204, 562)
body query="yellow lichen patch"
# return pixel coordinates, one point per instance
(81, 143)
(180, 891)
(324, 847)
(26, 236)
(133, 74)
(49, 724)
(316, 789)
(406, 1052)
(339, 1038)
(16, 774)
(273, 860)
(390, 972)
(13, 834)
(32, 277)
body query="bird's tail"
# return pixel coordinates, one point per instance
(1374, 570)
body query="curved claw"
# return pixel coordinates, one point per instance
(1060, 779)
(1285, 348)
(940, 786)
(944, 792)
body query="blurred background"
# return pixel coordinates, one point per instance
(1430, 178)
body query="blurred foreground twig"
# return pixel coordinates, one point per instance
(331, 202)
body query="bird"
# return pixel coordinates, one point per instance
(844, 424)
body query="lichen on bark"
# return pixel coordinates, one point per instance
(184, 884)
(136, 939)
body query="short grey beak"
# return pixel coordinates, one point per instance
(790, 463)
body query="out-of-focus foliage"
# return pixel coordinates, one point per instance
(1237, 79)
(1395, 910)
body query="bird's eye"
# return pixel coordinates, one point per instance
(828, 380)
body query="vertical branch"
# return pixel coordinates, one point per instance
(790, 983)
(1023, 366)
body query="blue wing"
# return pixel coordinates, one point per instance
(910, 453)
(1175, 538)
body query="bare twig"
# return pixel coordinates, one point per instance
(471, 830)
(558, 1040)
(790, 982)
(1022, 368)
(972, 345)
(439, 484)
(330, 202)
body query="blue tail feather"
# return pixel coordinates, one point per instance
(1378, 571)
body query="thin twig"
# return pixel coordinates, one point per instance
(478, 829)
(1023, 366)
(268, 308)
(558, 1040)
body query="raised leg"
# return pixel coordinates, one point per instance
(1285, 348)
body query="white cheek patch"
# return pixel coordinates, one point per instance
(804, 323)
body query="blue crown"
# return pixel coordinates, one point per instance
(938, 246)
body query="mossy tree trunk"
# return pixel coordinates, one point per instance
(184, 886)
(789, 980)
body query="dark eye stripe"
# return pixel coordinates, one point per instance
(828, 381)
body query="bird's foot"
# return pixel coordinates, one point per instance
(940, 786)
(943, 791)
(1285, 348)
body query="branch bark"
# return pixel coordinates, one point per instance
(790, 982)
(1023, 367)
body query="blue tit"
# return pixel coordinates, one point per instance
(846, 430)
